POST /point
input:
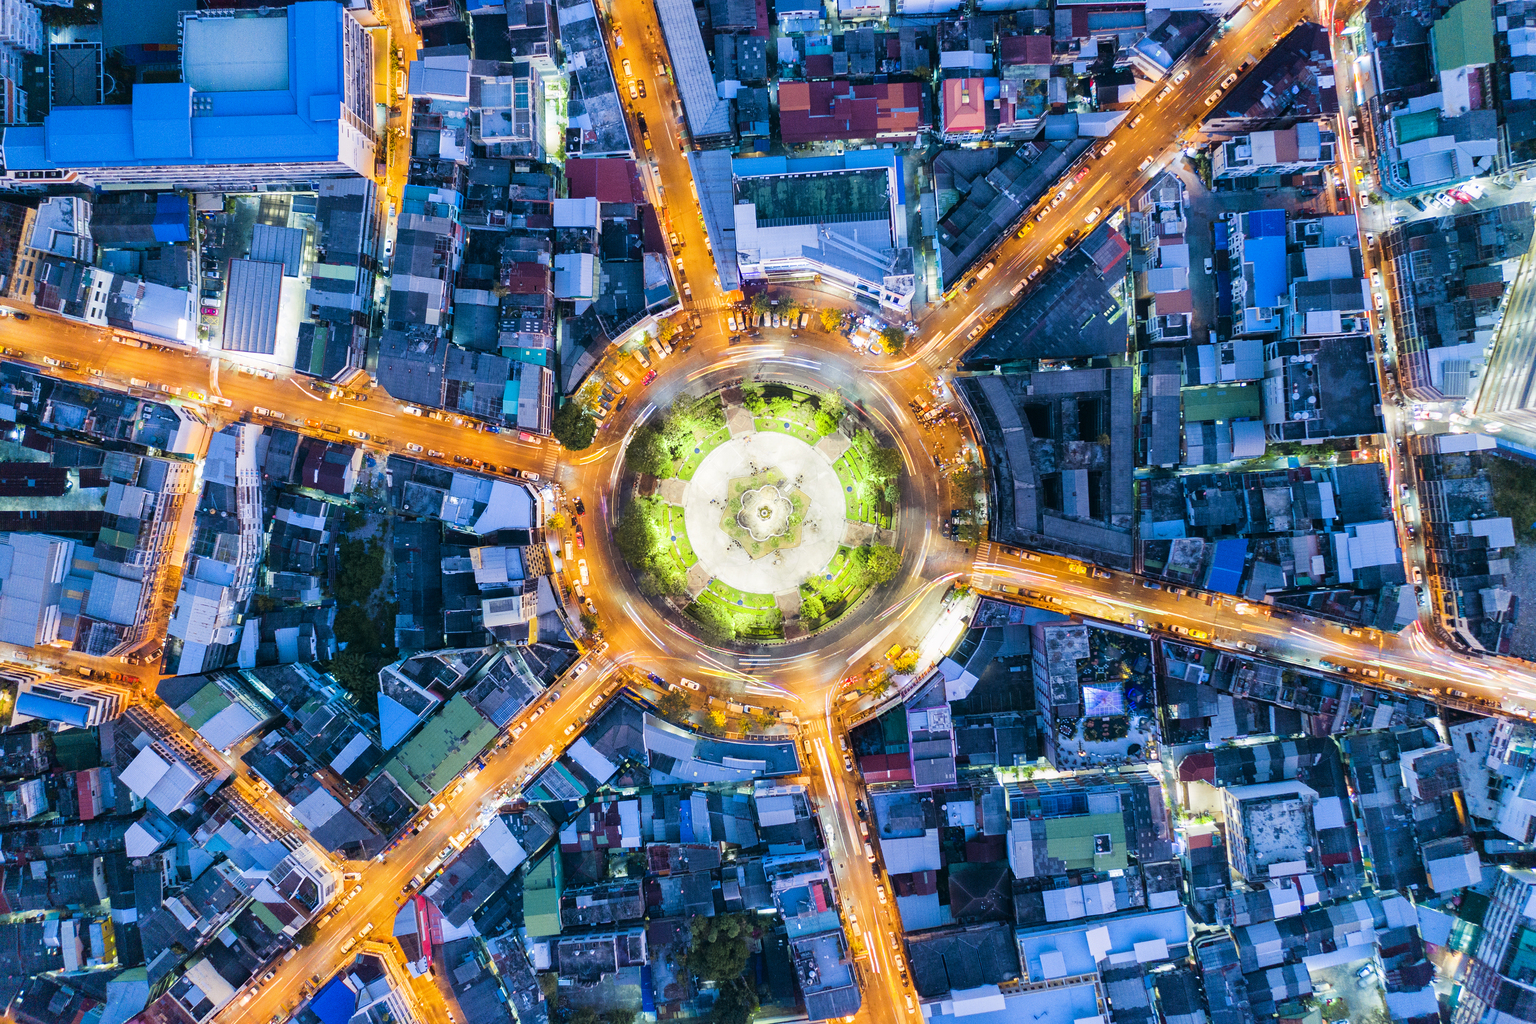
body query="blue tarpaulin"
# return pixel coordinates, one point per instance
(1226, 571)
(335, 1003)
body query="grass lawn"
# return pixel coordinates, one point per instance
(677, 536)
(709, 444)
(793, 429)
(757, 617)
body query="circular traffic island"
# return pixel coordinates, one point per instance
(761, 513)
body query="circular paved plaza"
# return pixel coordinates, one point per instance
(764, 512)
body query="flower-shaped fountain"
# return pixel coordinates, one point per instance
(765, 513)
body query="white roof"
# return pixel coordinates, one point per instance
(144, 772)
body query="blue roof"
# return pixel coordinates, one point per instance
(157, 128)
(171, 216)
(35, 705)
(335, 1003)
(1265, 224)
(1221, 234)
(1226, 571)
(394, 721)
(1266, 254)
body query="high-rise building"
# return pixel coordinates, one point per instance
(297, 106)
(1500, 983)
(21, 32)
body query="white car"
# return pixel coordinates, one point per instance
(1375, 276)
(629, 72)
(581, 569)
(690, 683)
(411, 410)
(570, 728)
(1181, 76)
(581, 666)
(596, 701)
(360, 435)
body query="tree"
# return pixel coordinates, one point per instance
(714, 721)
(830, 409)
(905, 662)
(648, 453)
(831, 319)
(673, 705)
(304, 936)
(665, 331)
(881, 564)
(719, 949)
(556, 521)
(573, 427)
(736, 1004)
(884, 463)
(760, 303)
(752, 397)
(812, 608)
(791, 308)
(894, 339)
(715, 620)
(639, 531)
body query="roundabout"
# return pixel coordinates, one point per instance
(761, 512)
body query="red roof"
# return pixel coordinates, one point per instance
(1034, 49)
(609, 180)
(817, 65)
(965, 107)
(526, 279)
(824, 111)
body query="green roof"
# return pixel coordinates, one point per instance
(1424, 124)
(1222, 402)
(203, 705)
(441, 748)
(1464, 36)
(1071, 840)
(541, 896)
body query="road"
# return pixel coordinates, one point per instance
(642, 637)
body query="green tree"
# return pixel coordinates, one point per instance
(719, 949)
(760, 303)
(715, 620)
(735, 1004)
(666, 330)
(884, 463)
(639, 531)
(880, 685)
(573, 427)
(714, 721)
(673, 705)
(881, 564)
(791, 309)
(894, 339)
(752, 397)
(830, 409)
(556, 521)
(619, 1014)
(812, 608)
(831, 319)
(304, 936)
(648, 453)
(905, 662)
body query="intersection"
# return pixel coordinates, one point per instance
(633, 626)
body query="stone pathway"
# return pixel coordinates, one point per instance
(833, 446)
(857, 534)
(671, 490)
(788, 602)
(698, 578)
(739, 419)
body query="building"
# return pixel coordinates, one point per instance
(1500, 985)
(1305, 148)
(21, 32)
(67, 703)
(840, 217)
(299, 107)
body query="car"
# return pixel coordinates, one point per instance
(570, 728)
(359, 434)
(433, 453)
(1418, 576)
(1060, 248)
(581, 537)
(1209, 265)
(1181, 76)
(1093, 215)
(640, 83)
(1225, 82)
(901, 965)
(1376, 276)
(869, 853)
(677, 243)
(634, 93)
(210, 311)
(412, 446)
(269, 975)
(880, 891)
(689, 683)
(1108, 146)
(411, 410)
(581, 570)
(579, 506)
(1354, 124)
(1150, 585)
(1199, 634)
(650, 375)
(464, 460)
(1167, 91)
(1137, 120)
(629, 72)
(1145, 164)
(1381, 301)
(1366, 971)
(355, 890)
(847, 762)
(858, 806)
(911, 1005)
